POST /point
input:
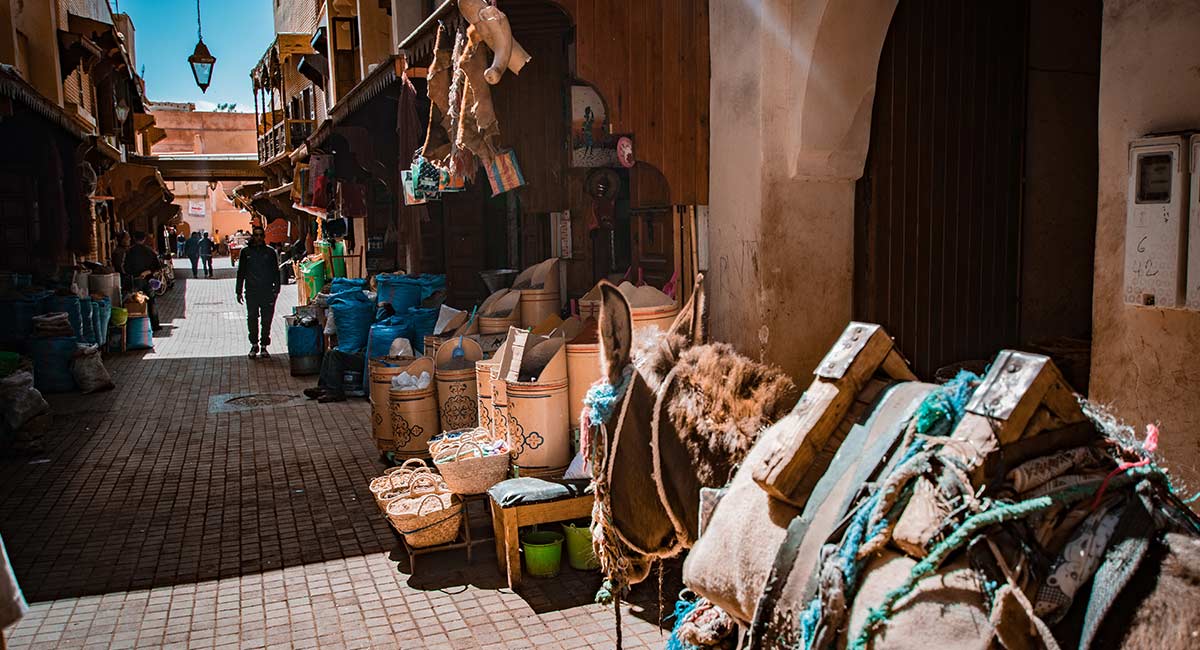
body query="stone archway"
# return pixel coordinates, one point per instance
(793, 84)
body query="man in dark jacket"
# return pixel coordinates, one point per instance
(258, 273)
(191, 248)
(140, 264)
(207, 247)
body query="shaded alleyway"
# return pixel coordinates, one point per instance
(163, 515)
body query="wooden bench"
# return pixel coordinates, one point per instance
(572, 503)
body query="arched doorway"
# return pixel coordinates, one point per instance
(975, 215)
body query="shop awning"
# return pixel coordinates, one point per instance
(204, 167)
(13, 87)
(380, 79)
(137, 190)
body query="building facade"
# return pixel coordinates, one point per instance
(959, 173)
(205, 205)
(78, 115)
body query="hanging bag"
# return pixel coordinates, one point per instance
(426, 177)
(504, 173)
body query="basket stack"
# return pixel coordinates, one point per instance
(394, 482)
(427, 513)
(472, 462)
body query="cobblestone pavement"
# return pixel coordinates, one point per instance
(152, 518)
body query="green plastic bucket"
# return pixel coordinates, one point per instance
(580, 554)
(543, 553)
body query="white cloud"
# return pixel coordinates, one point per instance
(202, 105)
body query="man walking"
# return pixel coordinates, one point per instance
(258, 273)
(140, 263)
(192, 249)
(206, 254)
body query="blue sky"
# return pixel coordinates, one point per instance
(237, 32)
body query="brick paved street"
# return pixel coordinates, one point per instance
(151, 519)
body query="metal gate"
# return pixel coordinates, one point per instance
(938, 210)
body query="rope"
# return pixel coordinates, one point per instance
(996, 515)
(872, 523)
(598, 406)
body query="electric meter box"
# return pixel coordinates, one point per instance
(1156, 222)
(1193, 276)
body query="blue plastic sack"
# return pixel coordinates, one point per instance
(52, 364)
(101, 313)
(384, 333)
(138, 333)
(423, 320)
(70, 305)
(431, 283)
(402, 292)
(303, 341)
(352, 315)
(342, 285)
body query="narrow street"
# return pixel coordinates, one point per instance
(162, 514)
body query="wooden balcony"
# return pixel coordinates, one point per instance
(282, 139)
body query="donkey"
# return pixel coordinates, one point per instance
(689, 413)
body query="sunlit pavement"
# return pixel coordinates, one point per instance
(151, 519)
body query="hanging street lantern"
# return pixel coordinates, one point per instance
(201, 59)
(202, 65)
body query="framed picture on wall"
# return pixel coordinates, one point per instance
(592, 143)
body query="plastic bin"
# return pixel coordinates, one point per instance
(580, 554)
(543, 553)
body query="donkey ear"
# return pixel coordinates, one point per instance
(692, 322)
(616, 333)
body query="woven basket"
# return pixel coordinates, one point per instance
(472, 474)
(396, 478)
(455, 438)
(427, 515)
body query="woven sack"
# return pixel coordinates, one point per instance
(427, 515)
(473, 473)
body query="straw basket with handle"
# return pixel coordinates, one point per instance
(427, 515)
(395, 480)
(468, 470)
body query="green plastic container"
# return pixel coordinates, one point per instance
(312, 273)
(337, 250)
(119, 317)
(543, 553)
(580, 554)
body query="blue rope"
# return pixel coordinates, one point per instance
(602, 398)
(683, 608)
(936, 416)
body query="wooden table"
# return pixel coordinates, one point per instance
(506, 521)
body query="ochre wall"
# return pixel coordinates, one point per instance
(791, 108)
(1144, 360)
(217, 132)
(650, 61)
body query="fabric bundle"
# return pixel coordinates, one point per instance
(54, 324)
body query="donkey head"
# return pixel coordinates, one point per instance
(652, 351)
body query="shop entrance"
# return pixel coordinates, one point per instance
(981, 173)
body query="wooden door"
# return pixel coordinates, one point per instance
(653, 232)
(939, 207)
(465, 252)
(18, 221)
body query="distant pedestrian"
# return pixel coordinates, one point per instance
(258, 274)
(180, 240)
(206, 254)
(192, 249)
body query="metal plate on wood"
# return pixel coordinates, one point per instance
(1011, 375)
(842, 354)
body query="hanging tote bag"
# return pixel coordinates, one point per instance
(410, 195)
(426, 177)
(504, 173)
